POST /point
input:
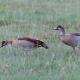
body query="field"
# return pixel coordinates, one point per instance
(36, 18)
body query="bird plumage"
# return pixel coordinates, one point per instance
(71, 39)
(25, 42)
(76, 34)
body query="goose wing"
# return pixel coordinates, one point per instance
(75, 34)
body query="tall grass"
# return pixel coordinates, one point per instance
(35, 18)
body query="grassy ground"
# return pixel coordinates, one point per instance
(35, 18)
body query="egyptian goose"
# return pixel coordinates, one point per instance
(25, 43)
(71, 39)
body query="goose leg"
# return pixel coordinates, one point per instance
(74, 50)
(28, 52)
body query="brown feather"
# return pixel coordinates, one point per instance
(36, 42)
(69, 40)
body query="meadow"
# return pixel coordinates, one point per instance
(37, 18)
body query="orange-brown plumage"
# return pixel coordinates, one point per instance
(25, 42)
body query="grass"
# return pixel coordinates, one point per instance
(35, 18)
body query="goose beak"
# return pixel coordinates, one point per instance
(45, 46)
(55, 29)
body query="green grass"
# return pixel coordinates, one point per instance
(35, 18)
